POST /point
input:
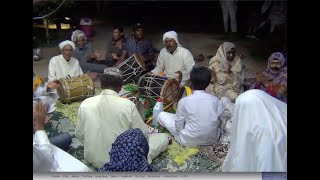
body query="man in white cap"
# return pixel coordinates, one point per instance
(174, 60)
(64, 64)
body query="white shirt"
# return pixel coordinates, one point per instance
(59, 68)
(258, 134)
(181, 60)
(49, 158)
(101, 119)
(197, 119)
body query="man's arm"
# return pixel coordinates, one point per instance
(159, 67)
(42, 149)
(122, 57)
(181, 116)
(188, 63)
(150, 56)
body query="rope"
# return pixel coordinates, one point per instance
(41, 17)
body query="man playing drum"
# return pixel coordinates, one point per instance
(64, 64)
(140, 46)
(174, 60)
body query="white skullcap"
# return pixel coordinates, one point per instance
(63, 43)
(113, 71)
(78, 33)
(172, 35)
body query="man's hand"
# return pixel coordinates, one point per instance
(114, 56)
(141, 57)
(96, 55)
(53, 84)
(178, 76)
(39, 116)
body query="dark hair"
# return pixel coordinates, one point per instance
(137, 26)
(200, 77)
(120, 28)
(111, 82)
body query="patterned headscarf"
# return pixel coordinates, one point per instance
(280, 76)
(129, 153)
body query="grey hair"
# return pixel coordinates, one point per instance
(76, 34)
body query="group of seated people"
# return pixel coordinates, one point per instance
(116, 138)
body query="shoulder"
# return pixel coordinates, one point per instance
(55, 59)
(163, 51)
(74, 60)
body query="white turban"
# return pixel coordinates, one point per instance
(63, 43)
(172, 35)
(76, 34)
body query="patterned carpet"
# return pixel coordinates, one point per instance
(175, 159)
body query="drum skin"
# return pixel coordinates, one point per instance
(75, 88)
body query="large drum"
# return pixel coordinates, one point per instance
(75, 88)
(131, 67)
(153, 86)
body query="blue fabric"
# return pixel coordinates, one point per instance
(129, 153)
(143, 47)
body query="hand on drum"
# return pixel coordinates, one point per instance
(53, 84)
(178, 76)
(114, 56)
(142, 58)
(92, 75)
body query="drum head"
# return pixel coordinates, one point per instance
(140, 62)
(170, 90)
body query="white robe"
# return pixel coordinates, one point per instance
(258, 134)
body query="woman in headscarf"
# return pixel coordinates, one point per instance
(129, 153)
(227, 72)
(274, 79)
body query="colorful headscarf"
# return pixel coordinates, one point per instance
(280, 76)
(129, 153)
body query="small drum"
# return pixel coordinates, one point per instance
(75, 88)
(131, 67)
(153, 86)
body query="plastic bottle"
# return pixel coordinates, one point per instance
(158, 107)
